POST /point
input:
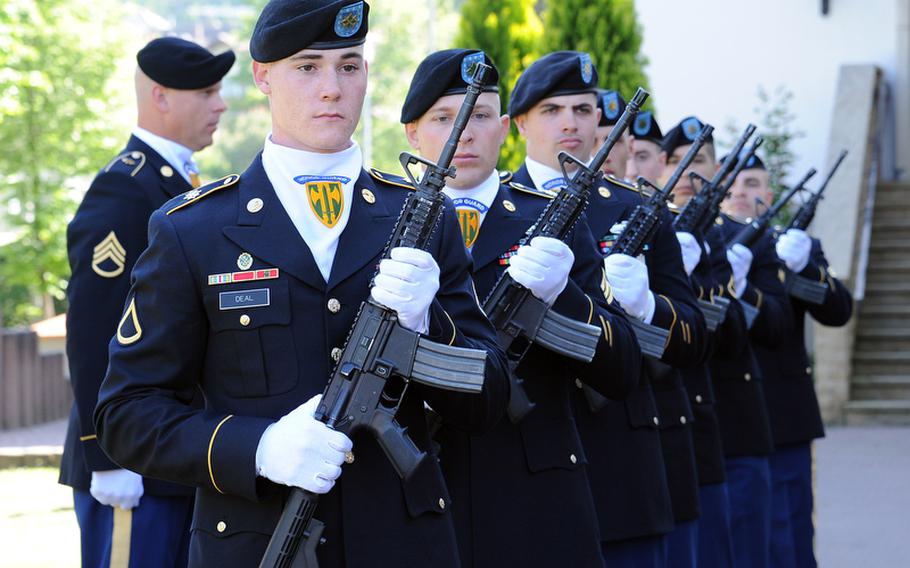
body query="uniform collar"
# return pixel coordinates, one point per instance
(177, 155)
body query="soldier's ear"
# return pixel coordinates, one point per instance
(520, 124)
(503, 128)
(159, 97)
(261, 77)
(410, 130)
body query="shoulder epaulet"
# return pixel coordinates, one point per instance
(546, 194)
(616, 182)
(391, 179)
(192, 196)
(505, 177)
(133, 160)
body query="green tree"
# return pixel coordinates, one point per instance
(56, 59)
(606, 29)
(509, 31)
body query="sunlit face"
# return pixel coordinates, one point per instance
(704, 165)
(478, 147)
(750, 184)
(315, 96)
(619, 154)
(645, 160)
(565, 123)
(193, 115)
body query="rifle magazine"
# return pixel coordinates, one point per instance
(451, 368)
(568, 337)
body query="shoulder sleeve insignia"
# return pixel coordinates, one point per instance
(505, 177)
(109, 257)
(194, 195)
(128, 330)
(546, 194)
(133, 161)
(391, 179)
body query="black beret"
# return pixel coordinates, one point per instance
(287, 26)
(683, 134)
(754, 162)
(645, 127)
(181, 64)
(446, 72)
(554, 74)
(611, 105)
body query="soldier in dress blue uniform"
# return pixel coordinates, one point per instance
(177, 89)
(520, 492)
(751, 279)
(789, 390)
(555, 106)
(247, 292)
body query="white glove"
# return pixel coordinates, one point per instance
(628, 277)
(793, 247)
(301, 451)
(542, 266)
(691, 252)
(407, 283)
(740, 259)
(117, 488)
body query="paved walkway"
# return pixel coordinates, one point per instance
(862, 489)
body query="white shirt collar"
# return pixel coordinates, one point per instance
(543, 176)
(177, 155)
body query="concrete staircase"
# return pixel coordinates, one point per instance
(880, 388)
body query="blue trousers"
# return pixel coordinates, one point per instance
(682, 545)
(645, 552)
(749, 486)
(715, 545)
(792, 530)
(155, 534)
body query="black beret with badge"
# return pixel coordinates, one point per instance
(287, 26)
(754, 163)
(180, 64)
(554, 74)
(442, 73)
(611, 105)
(683, 134)
(645, 127)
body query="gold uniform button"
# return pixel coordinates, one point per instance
(578, 383)
(349, 457)
(336, 354)
(368, 196)
(442, 503)
(244, 320)
(509, 206)
(136, 155)
(604, 192)
(221, 526)
(334, 305)
(656, 421)
(167, 171)
(254, 205)
(573, 459)
(808, 370)
(748, 377)
(698, 398)
(682, 420)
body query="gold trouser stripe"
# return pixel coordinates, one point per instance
(211, 444)
(120, 540)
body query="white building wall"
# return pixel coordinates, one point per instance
(708, 57)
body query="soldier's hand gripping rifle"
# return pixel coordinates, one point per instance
(690, 218)
(713, 208)
(806, 212)
(520, 318)
(810, 290)
(381, 358)
(754, 229)
(638, 232)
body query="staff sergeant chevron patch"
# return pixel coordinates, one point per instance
(109, 258)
